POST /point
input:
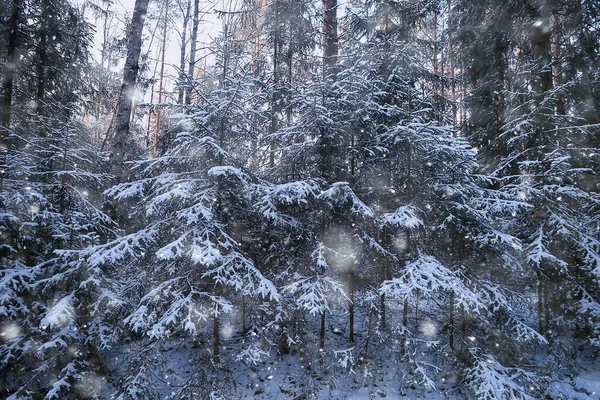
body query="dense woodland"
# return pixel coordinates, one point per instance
(336, 199)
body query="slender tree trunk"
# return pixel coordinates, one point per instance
(181, 89)
(556, 54)
(244, 316)
(42, 60)
(216, 339)
(451, 67)
(7, 86)
(540, 306)
(193, 40)
(130, 73)
(160, 80)
(330, 33)
(383, 277)
(463, 96)
(351, 308)
(273, 125)
(434, 56)
(451, 327)
(322, 332)
(9, 73)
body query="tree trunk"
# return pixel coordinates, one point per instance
(273, 125)
(193, 40)
(160, 80)
(451, 68)
(434, 57)
(451, 327)
(322, 332)
(9, 72)
(42, 60)
(216, 339)
(7, 87)
(181, 91)
(557, 70)
(351, 308)
(130, 73)
(540, 306)
(330, 33)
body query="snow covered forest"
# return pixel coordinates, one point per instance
(300, 199)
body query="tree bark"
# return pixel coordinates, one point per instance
(181, 90)
(9, 73)
(193, 40)
(130, 73)
(451, 327)
(556, 54)
(330, 33)
(322, 332)
(160, 84)
(42, 60)
(273, 125)
(216, 339)
(7, 87)
(351, 308)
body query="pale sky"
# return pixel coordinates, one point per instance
(122, 9)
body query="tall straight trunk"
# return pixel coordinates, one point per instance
(351, 308)
(556, 54)
(181, 91)
(322, 332)
(383, 277)
(330, 33)
(130, 73)
(451, 324)
(434, 56)
(451, 67)
(463, 96)
(540, 306)
(193, 40)
(330, 50)
(217, 330)
(541, 46)
(273, 125)
(42, 59)
(160, 80)
(7, 87)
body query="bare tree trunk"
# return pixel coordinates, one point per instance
(451, 67)
(273, 125)
(216, 337)
(557, 70)
(7, 87)
(8, 72)
(186, 17)
(540, 306)
(351, 307)
(42, 61)
(193, 40)
(330, 33)
(451, 327)
(160, 84)
(434, 57)
(322, 332)
(130, 73)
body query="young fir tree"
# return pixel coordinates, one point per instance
(189, 264)
(50, 205)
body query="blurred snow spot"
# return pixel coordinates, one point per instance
(90, 386)
(428, 328)
(227, 331)
(400, 244)
(10, 331)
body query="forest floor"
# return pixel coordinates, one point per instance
(370, 368)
